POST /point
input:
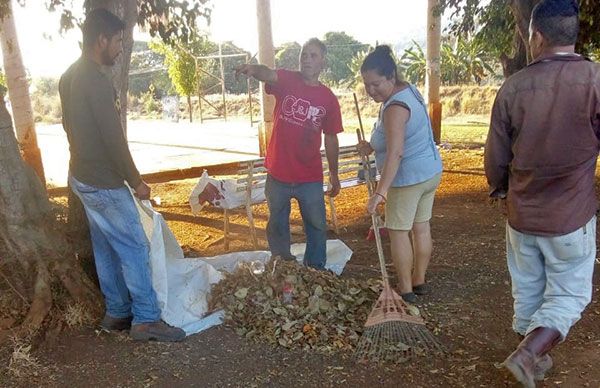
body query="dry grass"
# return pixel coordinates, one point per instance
(22, 363)
(460, 100)
(456, 100)
(77, 315)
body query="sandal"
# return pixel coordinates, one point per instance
(421, 289)
(409, 297)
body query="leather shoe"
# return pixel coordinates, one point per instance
(156, 331)
(541, 367)
(115, 324)
(530, 353)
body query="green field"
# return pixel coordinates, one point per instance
(457, 130)
(467, 133)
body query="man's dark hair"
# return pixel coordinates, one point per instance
(382, 61)
(557, 21)
(317, 42)
(100, 22)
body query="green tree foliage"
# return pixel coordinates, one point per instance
(288, 56)
(355, 80)
(414, 64)
(45, 101)
(146, 72)
(500, 27)
(233, 85)
(589, 33)
(47, 86)
(181, 65)
(171, 20)
(341, 48)
(462, 62)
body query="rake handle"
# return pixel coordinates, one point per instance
(374, 217)
(362, 131)
(380, 251)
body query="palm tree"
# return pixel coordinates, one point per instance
(414, 64)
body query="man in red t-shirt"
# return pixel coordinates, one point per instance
(304, 109)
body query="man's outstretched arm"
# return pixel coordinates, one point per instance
(259, 72)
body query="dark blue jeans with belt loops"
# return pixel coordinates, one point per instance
(311, 201)
(121, 252)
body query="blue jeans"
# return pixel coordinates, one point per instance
(121, 252)
(312, 208)
(551, 277)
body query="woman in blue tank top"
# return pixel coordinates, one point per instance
(410, 167)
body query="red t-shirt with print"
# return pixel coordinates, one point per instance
(302, 113)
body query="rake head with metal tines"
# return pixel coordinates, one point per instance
(393, 335)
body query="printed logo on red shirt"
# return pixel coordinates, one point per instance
(298, 111)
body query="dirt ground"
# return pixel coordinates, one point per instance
(470, 309)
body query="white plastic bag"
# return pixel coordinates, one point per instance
(228, 188)
(181, 285)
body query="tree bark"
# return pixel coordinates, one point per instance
(18, 88)
(521, 10)
(190, 108)
(433, 78)
(31, 240)
(266, 56)
(510, 65)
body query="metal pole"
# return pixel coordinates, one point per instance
(222, 81)
(433, 78)
(249, 93)
(198, 78)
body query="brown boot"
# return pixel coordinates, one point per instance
(542, 366)
(530, 352)
(156, 331)
(115, 324)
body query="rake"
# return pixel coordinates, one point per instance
(391, 334)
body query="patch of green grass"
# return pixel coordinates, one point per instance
(465, 130)
(351, 124)
(468, 132)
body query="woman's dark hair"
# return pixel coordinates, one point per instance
(557, 21)
(100, 22)
(382, 61)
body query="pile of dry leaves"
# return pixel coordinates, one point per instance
(294, 306)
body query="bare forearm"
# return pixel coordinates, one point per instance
(332, 150)
(262, 73)
(388, 173)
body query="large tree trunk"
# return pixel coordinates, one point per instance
(521, 10)
(37, 255)
(510, 65)
(433, 78)
(18, 89)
